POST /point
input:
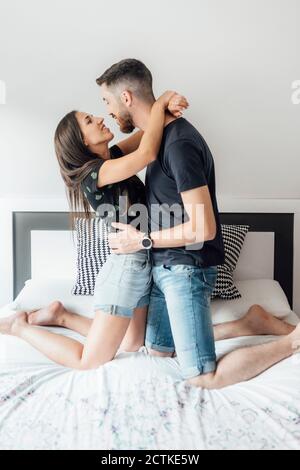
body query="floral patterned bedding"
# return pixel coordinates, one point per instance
(140, 402)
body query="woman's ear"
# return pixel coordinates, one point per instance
(126, 98)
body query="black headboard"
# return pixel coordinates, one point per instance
(282, 225)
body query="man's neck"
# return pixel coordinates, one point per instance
(142, 116)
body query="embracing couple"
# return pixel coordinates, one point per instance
(156, 285)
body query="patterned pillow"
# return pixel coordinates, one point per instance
(234, 237)
(92, 252)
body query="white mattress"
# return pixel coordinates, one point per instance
(140, 402)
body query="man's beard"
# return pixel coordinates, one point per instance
(125, 122)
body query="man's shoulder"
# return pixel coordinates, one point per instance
(183, 131)
(184, 140)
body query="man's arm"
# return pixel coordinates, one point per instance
(201, 227)
(185, 160)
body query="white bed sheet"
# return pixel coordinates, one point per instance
(140, 402)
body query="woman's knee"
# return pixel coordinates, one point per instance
(132, 347)
(90, 365)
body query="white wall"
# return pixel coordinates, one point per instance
(234, 59)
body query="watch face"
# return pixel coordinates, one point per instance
(147, 243)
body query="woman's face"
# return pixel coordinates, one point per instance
(93, 129)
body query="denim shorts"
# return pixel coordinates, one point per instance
(123, 284)
(179, 316)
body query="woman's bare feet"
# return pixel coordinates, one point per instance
(51, 315)
(8, 324)
(259, 322)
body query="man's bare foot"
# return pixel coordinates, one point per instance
(51, 315)
(7, 324)
(259, 322)
(295, 337)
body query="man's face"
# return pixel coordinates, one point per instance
(117, 110)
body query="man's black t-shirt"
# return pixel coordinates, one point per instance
(184, 163)
(132, 190)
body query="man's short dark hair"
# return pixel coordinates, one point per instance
(132, 71)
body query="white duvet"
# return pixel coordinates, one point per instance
(140, 402)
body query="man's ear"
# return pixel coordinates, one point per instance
(126, 98)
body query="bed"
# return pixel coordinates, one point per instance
(138, 401)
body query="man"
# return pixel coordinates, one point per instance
(185, 236)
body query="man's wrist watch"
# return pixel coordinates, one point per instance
(147, 242)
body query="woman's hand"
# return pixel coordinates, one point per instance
(173, 102)
(177, 104)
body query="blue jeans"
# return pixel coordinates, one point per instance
(179, 316)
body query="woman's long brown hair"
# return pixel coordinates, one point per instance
(75, 162)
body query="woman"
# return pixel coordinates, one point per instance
(94, 174)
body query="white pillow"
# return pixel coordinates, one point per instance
(39, 293)
(265, 292)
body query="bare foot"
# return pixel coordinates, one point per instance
(295, 337)
(7, 324)
(51, 315)
(259, 322)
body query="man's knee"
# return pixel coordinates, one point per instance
(211, 381)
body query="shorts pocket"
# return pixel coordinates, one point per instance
(104, 273)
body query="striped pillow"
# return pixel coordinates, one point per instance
(92, 252)
(233, 237)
